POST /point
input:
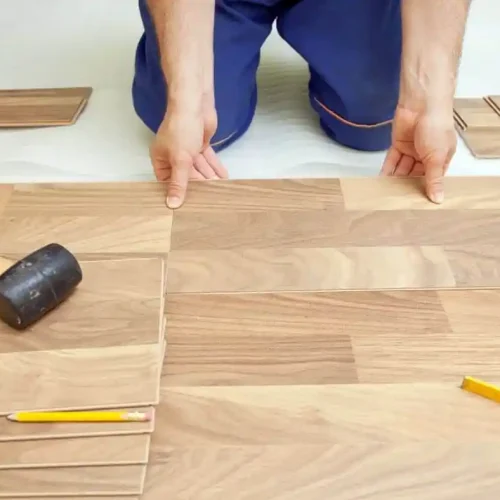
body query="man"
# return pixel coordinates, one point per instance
(383, 76)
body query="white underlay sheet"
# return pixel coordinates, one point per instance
(54, 43)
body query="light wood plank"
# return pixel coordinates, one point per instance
(476, 113)
(73, 481)
(294, 338)
(483, 143)
(101, 234)
(5, 194)
(334, 229)
(257, 196)
(313, 414)
(475, 265)
(407, 193)
(83, 199)
(11, 431)
(420, 471)
(95, 451)
(308, 269)
(117, 303)
(80, 378)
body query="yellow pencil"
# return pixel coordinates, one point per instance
(81, 416)
(481, 388)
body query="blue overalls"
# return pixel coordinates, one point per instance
(353, 48)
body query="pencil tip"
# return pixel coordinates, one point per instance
(12, 418)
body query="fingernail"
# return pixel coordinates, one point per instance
(438, 197)
(173, 202)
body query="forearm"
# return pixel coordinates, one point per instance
(433, 32)
(185, 37)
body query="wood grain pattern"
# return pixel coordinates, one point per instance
(42, 107)
(475, 265)
(289, 195)
(79, 378)
(483, 143)
(5, 194)
(86, 451)
(11, 431)
(107, 309)
(66, 482)
(477, 113)
(87, 198)
(407, 193)
(441, 471)
(86, 234)
(307, 269)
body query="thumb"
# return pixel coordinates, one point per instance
(178, 183)
(435, 168)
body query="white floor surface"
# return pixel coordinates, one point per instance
(54, 43)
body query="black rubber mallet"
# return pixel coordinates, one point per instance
(37, 284)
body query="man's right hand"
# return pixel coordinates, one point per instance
(181, 151)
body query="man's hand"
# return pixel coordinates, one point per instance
(181, 151)
(423, 144)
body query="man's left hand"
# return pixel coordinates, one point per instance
(423, 144)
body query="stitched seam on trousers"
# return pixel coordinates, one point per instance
(347, 122)
(222, 141)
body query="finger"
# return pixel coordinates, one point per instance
(418, 170)
(405, 166)
(391, 160)
(434, 173)
(179, 179)
(214, 161)
(196, 176)
(202, 166)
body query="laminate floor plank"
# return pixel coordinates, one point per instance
(5, 194)
(13, 431)
(42, 107)
(117, 303)
(483, 143)
(86, 451)
(294, 338)
(334, 228)
(308, 269)
(475, 265)
(80, 378)
(443, 471)
(291, 195)
(407, 193)
(476, 113)
(89, 199)
(73, 481)
(99, 234)
(328, 414)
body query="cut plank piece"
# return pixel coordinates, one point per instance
(307, 269)
(476, 113)
(418, 471)
(407, 193)
(287, 338)
(483, 143)
(86, 198)
(5, 193)
(42, 107)
(106, 450)
(73, 481)
(80, 378)
(87, 234)
(118, 303)
(11, 431)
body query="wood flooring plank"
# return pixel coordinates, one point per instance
(476, 113)
(334, 229)
(42, 107)
(86, 234)
(407, 193)
(313, 414)
(483, 143)
(475, 265)
(5, 194)
(260, 196)
(117, 303)
(263, 270)
(72, 481)
(12, 431)
(284, 338)
(79, 378)
(87, 198)
(87, 451)
(422, 471)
